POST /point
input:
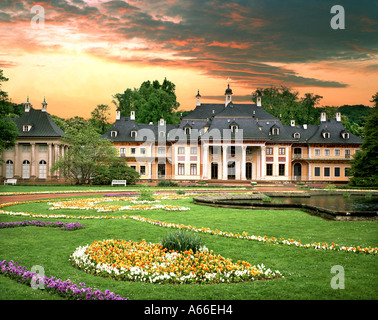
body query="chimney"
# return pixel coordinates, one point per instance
(118, 114)
(132, 114)
(292, 123)
(305, 126)
(323, 117)
(198, 99)
(44, 105)
(338, 116)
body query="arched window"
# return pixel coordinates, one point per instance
(9, 169)
(42, 169)
(26, 169)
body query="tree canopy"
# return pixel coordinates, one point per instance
(365, 163)
(87, 151)
(8, 129)
(285, 104)
(151, 102)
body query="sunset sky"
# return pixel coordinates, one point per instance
(88, 50)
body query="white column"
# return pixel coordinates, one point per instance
(32, 158)
(225, 164)
(263, 164)
(50, 157)
(205, 161)
(16, 165)
(258, 167)
(149, 170)
(243, 162)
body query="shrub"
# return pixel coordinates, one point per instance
(181, 192)
(146, 194)
(181, 241)
(330, 187)
(266, 199)
(166, 183)
(117, 170)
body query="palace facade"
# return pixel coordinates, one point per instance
(38, 146)
(215, 142)
(235, 142)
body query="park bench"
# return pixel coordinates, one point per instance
(119, 182)
(10, 181)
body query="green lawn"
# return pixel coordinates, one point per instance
(307, 271)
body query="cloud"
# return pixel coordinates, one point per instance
(238, 39)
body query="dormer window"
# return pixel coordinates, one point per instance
(345, 135)
(161, 134)
(187, 130)
(26, 128)
(326, 135)
(113, 134)
(133, 134)
(297, 135)
(275, 131)
(234, 128)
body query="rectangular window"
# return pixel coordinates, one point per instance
(193, 169)
(181, 150)
(181, 169)
(327, 172)
(269, 150)
(122, 151)
(161, 150)
(248, 150)
(317, 152)
(232, 151)
(347, 172)
(26, 147)
(142, 170)
(281, 150)
(132, 150)
(317, 172)
(337, 152)
(133, 167)
(327, 152)
(193, 150)
(269, 169)
(142, 150)
(281, 170)
(42, 148)
(337, 172)
(347, 153)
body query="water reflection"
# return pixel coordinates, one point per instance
(337, 202)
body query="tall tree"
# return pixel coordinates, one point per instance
(151, 102)
(8, 129)
(365, 163)
(284, 103)
(100, 118)
(87, 151)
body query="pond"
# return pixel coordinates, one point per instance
(336, 202)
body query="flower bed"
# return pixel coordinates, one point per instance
(65, 289)
(243, 235)
(68, 226)
(94, 204)
(150, 262)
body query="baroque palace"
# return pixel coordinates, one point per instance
(215, 143)
(237, 142)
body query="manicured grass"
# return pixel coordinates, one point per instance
(307, 271)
